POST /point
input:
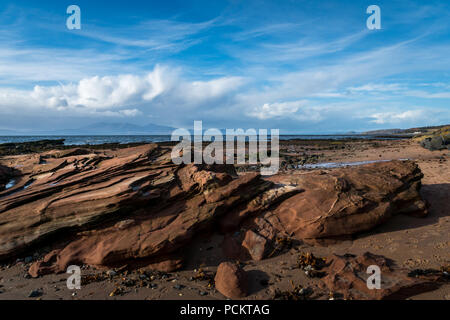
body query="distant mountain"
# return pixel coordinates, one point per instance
(106, 128)
(103, 128)
(100, 128)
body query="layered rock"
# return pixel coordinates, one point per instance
(116, 207)
(134, 206)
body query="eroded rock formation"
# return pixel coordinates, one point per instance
(134, 206)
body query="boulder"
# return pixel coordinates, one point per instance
(439, 139)
(436, 143)
(231, 280)
(346, 201)
(347, 277)
(256, 245)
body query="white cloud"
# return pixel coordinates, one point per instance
(297, 110)
(114, 95)
(377, 87)
(277, 109)
(396, 117)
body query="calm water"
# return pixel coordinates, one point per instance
(81, 140)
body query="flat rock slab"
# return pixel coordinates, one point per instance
(347, 276)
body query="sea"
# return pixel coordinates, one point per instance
(123, 139)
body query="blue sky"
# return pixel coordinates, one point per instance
(300, 66)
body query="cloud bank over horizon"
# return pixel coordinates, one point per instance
(226, 65)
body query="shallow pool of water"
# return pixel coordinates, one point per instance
(330, 165)
(10, 184)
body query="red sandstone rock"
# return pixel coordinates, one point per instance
(255, 244)
(134, 206)
(347, 275)
(348, 200)
(231, 280)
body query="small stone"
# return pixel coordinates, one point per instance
(203, 293)
(178, 286)
(111, 273)
(305, 291)
(308, 268)
(28, 259)
(231, 280)
(35, 293)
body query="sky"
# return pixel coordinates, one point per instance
(298, 66)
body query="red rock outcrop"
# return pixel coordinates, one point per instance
(231, 280)
(347, 275)
(348, 200)
(134, 206)
(116, 207)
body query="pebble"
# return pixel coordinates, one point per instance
(203, 293)
(28, 259)
(308, 268)
(111, 273)
(35, 294)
